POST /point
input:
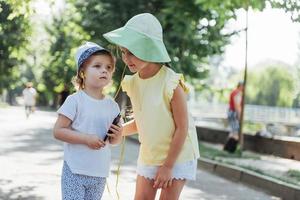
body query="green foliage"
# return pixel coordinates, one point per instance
(290, 6)
(272, 86)
(188, 41)
(65, 35)
(193, 31)
(14, 30)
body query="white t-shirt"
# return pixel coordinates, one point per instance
(89, 116)
(29, 96)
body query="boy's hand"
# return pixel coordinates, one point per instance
(116, 134)
(94, 142)
(163, 178)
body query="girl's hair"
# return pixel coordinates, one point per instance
(118, 53)
(167, 65)
(78, 81)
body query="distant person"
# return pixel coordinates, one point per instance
(29, 94)
(234, 117)
(63, 95)
(82, 124)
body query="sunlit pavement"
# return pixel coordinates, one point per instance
(31, 161)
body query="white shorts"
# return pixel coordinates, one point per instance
(186, 170)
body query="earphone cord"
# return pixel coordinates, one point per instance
(122, 146)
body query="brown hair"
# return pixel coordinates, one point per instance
(78, 81)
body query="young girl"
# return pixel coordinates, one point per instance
(83, 122)
(169, 146)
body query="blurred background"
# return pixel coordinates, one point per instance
(206, 40)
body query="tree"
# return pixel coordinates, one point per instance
(290, 6)
(274, 85)
(14, 30)
(194, 30)
(66, 35)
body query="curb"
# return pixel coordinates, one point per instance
(271, 185)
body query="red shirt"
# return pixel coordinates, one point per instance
(233, 94)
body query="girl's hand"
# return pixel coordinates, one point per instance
(94, 142)
(116, 135)
(163, 178)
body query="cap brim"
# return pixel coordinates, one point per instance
(88, 54)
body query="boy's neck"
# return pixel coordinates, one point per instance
(96, 93)
(149, 71)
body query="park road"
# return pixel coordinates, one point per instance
(31, 161)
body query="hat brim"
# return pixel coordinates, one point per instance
(140, 45)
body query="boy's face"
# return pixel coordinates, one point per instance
(98, 70)
(134, 63)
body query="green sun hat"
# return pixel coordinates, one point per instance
(142, 35)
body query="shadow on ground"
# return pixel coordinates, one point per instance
(32, 141)
(17, 193)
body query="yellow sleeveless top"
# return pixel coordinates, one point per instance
(150, 100)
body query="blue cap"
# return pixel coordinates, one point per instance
(85, 51)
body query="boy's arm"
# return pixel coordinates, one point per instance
(62, 131)
(129, 128)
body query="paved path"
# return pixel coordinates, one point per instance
(31, 160)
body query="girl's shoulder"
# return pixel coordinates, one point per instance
(128, 78)
(172, 80)
(172, 77)
(170, 74)
(126, 83)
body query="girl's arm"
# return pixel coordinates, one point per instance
(180, 116)
(62, 131)
(129, 128)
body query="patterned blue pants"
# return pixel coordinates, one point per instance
(81, 187)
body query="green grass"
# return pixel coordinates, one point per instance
(213, 153)
(253, 169)
(294, 174)
(252, 127)
(293, 179)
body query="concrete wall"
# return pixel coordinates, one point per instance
(279, 146)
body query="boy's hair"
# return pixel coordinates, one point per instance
(78, 81)
(29, 84)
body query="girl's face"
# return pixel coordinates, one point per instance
(98, 70)
(134, 63)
